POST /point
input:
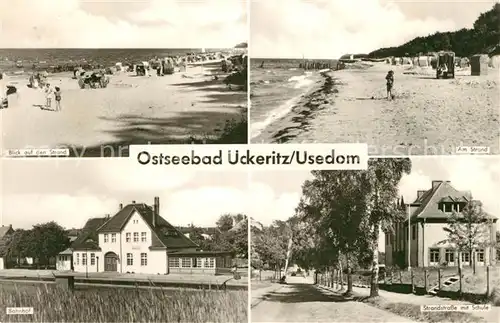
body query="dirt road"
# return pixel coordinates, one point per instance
(300, 301)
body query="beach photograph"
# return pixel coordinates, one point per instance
(107, 75)
(408, 78)
(76, 237)
(407, 240)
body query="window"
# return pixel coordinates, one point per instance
(173, 262)
(434, 255)
(92, 259)
(127, 237)
(77, 258)
(113, 237)
(465, 256)
(199, 262)
(413, 232)
(143, 236)
(84, 259)
(136, 236)
(210, 263)
(130, 259)
(447, 207)
(144, 259)
(459, 208)
(186, 262)
(498, 254)
(450, 256)
(106, 238)
(480, 255)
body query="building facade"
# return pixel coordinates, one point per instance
(429, 216)
(138, 240)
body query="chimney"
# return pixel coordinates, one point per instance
(107, 216)
(436, 184)
(156, 210)
(121, 206)
(421, 193)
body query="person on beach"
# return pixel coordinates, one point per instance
(57, 94)
(48, 96)
(390, 84)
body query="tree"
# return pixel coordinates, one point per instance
(468, 230)
(46, 241)
(232, 235)
(382, 179)
(337, 204)
(464, 42)
(196, 235)
(225, 222)
(17, 245)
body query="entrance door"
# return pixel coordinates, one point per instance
(111, 262)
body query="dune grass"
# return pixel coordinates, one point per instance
(53, 304)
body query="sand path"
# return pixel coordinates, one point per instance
(131, 110)
(301, 301)
(428, 116)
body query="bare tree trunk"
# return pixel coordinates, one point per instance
(341, 273)
(349, 277)
(288, 253)
(374, 276)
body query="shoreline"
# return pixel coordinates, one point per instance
(301, 113)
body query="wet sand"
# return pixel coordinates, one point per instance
(427, 117)
(174, 109)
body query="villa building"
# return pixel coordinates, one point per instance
(138, 240)
(429, 215)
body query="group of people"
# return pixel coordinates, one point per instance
(52, 92)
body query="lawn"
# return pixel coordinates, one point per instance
(471, 283)
(91, 304)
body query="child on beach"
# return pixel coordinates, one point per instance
(48, 96)
(390, 83)
(57, 95)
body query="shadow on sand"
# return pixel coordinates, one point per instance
(302, 293)
(186, 128)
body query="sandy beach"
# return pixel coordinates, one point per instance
(176, 108)
(427, 117)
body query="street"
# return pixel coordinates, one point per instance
(301, 301)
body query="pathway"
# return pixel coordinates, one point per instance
(300, 301)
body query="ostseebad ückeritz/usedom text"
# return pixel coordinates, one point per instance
(234, 157)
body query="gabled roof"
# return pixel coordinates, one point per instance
(88, 238)
(166, 234)
(427, 206)
(4, 230)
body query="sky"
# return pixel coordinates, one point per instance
(71, 191)
(330, 28)
(123, 24)
(275, 195)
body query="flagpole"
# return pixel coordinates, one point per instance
(409, 237)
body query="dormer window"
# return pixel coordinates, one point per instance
(449, 207)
